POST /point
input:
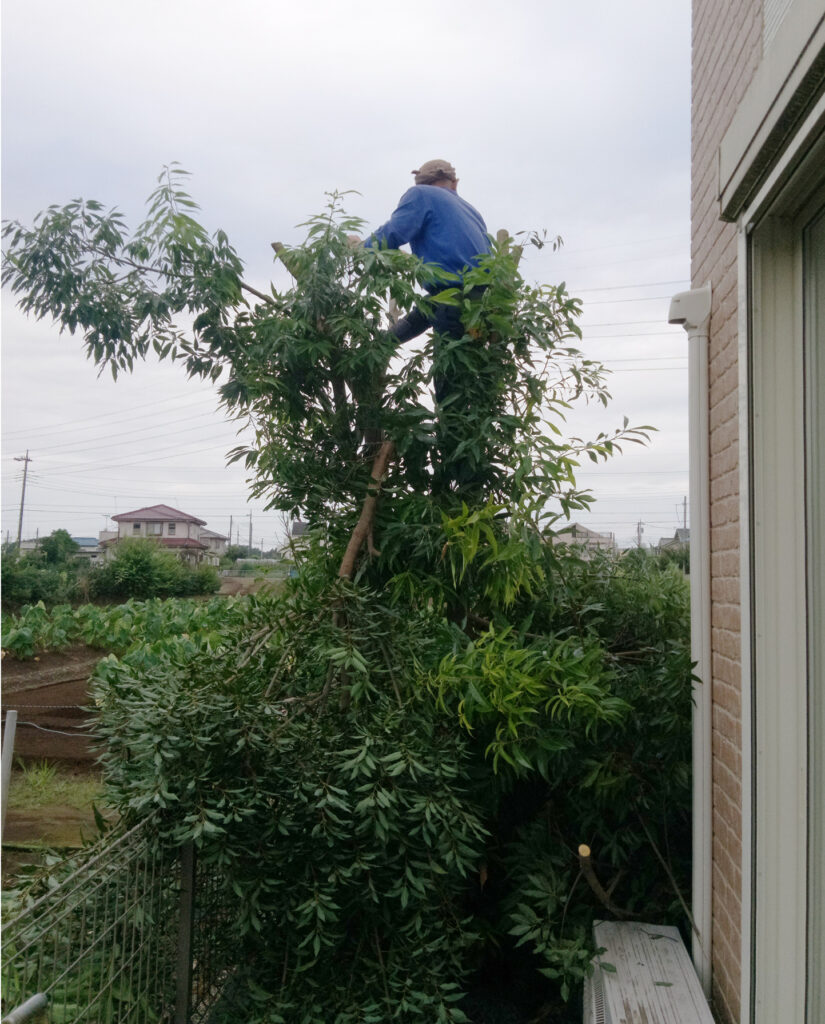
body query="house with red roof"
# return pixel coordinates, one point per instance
(169, 527)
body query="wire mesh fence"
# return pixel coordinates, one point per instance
(129, 934)
(206, 954)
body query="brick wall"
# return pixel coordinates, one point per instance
(727, 48)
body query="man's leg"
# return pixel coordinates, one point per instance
(411, 325)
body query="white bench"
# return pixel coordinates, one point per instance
(644, 976)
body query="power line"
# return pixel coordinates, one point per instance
(649, 369)
(623, 323)
(131, 433)
(137, 410)
(640, 298)
(90, 467)
(647, 284)
(84, 467)
(682, 236)
(632, 259)
(636, 336)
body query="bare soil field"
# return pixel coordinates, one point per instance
(49, 694)
(231, 586)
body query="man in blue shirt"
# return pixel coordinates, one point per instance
(441, 228)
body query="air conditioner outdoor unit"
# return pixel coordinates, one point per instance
(643, 976)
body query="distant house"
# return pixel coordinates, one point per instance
(298, 539)
(216, 544)
(590, 540)
(171, 528)
(680, 541)
(89, 549)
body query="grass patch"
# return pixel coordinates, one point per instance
(42, 783)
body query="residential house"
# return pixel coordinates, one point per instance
(589, 540)
(298, 539)
(757, 366)
(216, 545)
(678, 542)
(171, 528)
(89, 550)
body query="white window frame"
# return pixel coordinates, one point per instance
(774, 592)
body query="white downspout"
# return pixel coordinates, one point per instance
(692, 310)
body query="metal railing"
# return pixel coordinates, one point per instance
(134, 934)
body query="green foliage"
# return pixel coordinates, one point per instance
(117, 628)
(679, 556)
(348, 848)
(140, 568)
(29, 578)
(393, 762)
(58, 547)
(78, 265)
(314, 368)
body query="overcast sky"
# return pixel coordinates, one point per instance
(569, 117)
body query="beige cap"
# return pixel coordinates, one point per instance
(434, 170)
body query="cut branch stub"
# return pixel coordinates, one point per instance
(586, 866)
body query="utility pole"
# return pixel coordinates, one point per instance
(639, 531)
(25, 460)
(250, 535)
(230, 531)
(684, 512)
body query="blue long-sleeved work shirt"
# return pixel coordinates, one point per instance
(439, 225)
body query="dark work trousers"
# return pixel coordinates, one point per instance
(446, 322)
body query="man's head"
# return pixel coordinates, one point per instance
(436, 172)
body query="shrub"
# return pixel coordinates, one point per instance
(27, 580)
(140, 569)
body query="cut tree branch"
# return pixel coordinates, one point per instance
(586, 866)
(254, 291)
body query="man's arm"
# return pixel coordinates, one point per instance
(405, 223)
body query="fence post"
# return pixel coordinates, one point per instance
(8, 752)
(183, 977)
